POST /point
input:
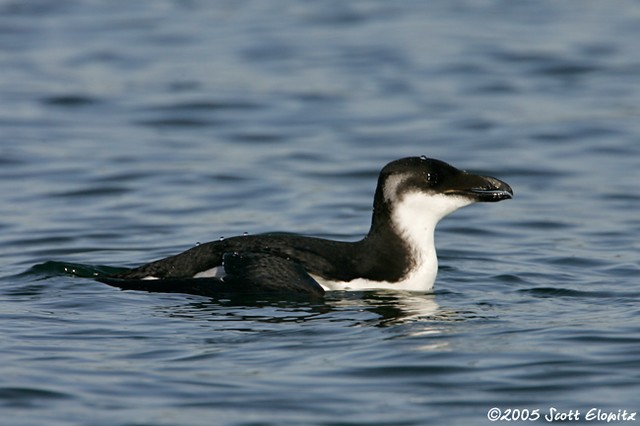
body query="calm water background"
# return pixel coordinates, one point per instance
(131, 130)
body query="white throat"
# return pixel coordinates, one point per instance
(414, 217)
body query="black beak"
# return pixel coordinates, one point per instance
(480, 188)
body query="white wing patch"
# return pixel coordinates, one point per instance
(215, 272)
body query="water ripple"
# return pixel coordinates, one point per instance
(131, 133)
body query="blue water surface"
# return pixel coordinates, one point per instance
(132, 130)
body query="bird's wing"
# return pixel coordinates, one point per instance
(270, 274)
(244, 273)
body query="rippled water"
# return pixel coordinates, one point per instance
(132, 130)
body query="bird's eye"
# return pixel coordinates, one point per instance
(432, 178)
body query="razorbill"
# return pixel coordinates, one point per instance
(412, 195)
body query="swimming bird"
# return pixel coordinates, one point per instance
(398, 252)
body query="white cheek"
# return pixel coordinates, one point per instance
(418, 213)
